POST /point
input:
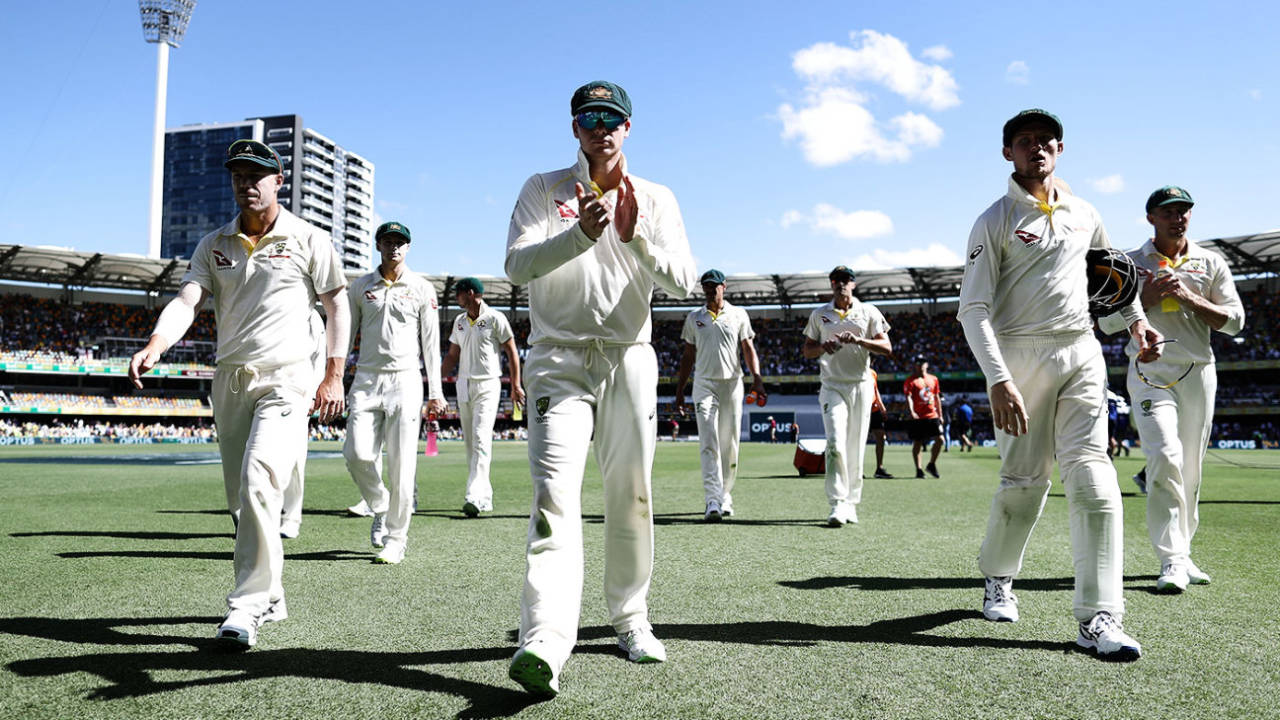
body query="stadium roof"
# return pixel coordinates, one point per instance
(1248, 255)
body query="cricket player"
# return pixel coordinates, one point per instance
(264, 269)
(591, 242)
(877, 426)
(291, 509)
(397, 315)
(1024, 306)
(841, 335)
(479, 334)
(1187, 293)
(924, 402)
(712, 335)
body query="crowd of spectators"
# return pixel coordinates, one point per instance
(79, 428)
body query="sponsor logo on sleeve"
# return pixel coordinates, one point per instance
(976, 252)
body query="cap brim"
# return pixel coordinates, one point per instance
(603, 105)
(397, 233)
(251, 159)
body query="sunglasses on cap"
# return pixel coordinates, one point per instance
(593, 119)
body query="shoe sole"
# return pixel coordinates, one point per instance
(1169, 588)
(533, 674)
(1124, 654)
(234, 639)
(642, 659)
(385, 561)
(999, 618)
(1194, 581)
(470, 510)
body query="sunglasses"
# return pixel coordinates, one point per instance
(595, 118)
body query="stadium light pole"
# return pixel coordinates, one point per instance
(164, 22)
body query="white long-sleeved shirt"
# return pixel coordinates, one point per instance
(480, 343)
(1204, 273)
(263, 294)
(718, 338)
(582, 290)
(1026, 274)
(397, 321)
(851, 363)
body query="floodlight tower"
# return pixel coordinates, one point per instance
(164, 22)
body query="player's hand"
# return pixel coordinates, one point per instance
(1148, 339)
(517, 395)
(681, 408)
(328, 401)
(593, 214)
(435, 408)
(142, 362)
(757, 387)
(1007, 410)
(626, 211)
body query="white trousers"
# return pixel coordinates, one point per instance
(292, 510)
(574, 391)
(477, 409)
(846, 417)
(1174, 426)
(1063, 386)
(261, 416)
(718, 408)
(385, 410)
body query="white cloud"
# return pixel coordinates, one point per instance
(1255, 94)
(935, 255)
(937, 53)
(1018, 73)
(830, 220)
(1108, 185)
(833, 123)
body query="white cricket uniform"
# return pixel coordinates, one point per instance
(291, 512)
(1024, 307)
(479, 389)
(399, 325)
(847, 392)
(591, 365)
(717, 394)
(263, 297)
(1174, 423)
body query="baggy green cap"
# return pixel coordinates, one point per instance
(1167, 195)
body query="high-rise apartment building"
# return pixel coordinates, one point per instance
(325, 184)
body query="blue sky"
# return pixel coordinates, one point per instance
(795, 135)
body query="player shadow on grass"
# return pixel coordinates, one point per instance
(125, 534)
(130, 674)
(913, 630)
(1061, 584)
(329, 555)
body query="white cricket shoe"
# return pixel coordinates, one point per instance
(289, 529)
(360, 509)
(642, 647)
(1106, 637)
(842, 514)
(1173, 578)
(999, 604)
(378, 531)
(713, 512)
(726, 509)
(1195, 575)
(1141, 481)
(470, 509)
(276, 612)
(391, 554)
(533, 670)
(238, 631)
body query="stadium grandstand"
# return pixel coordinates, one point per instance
(70, 320)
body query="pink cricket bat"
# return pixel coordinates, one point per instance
(431, 450)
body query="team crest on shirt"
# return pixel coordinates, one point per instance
(221, 261)
(279, 250)
(1146, 408)
(1194, 266)
(542, 404)
(1027, 238)
(481, 324)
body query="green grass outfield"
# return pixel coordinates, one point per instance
(116, 561)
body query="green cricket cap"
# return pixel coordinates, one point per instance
(712, 276)
(392, 228)
(1027, 117)
(841, 271)
(470, 283)
(254, 152)
(600, 95)
(1167, 195)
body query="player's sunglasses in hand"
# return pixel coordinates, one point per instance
(1137, 366)
(595, 118)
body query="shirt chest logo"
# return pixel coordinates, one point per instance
(567, 212)
(222, 262)
(1028, 238)
(279, 250)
